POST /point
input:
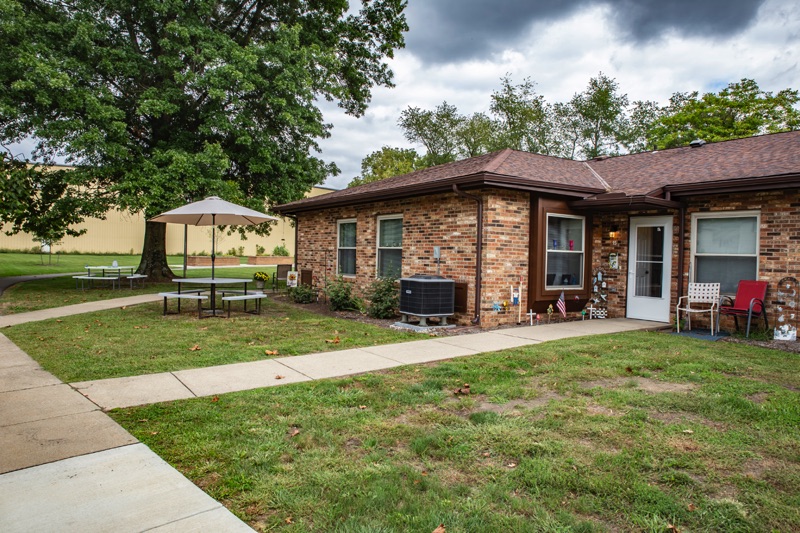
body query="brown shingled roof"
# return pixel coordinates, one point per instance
(648, 173)
(752, 161)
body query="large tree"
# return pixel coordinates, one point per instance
(160, 102)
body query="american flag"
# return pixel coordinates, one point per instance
(562, 305)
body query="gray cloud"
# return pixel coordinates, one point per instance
(443, 31)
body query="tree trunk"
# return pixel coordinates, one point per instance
(154, 253)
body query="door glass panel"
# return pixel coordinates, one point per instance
(649, 262)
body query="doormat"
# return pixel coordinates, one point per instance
(703, 334)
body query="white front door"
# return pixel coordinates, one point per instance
(649, 268)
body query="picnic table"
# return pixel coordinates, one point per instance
(111, 273)
(212, 284)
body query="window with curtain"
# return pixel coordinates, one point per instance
(725, 248)
(390, 246)
(565, 252)
(346, 249)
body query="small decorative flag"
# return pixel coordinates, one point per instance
(562, 305)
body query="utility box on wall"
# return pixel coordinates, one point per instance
(427, 296)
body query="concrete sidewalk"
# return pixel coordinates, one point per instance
(182, 384)
(76, 309)
(66, 466)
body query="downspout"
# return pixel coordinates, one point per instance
(296, 240)
(681, 247)
(478, 253)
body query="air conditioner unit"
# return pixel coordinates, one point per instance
(426, 296)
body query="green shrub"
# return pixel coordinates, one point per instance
(303, 294)
(340, 296)
(260, 249)
(384, 298)
(280, 250)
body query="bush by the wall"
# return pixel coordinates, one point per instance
(340, 296)
(280, 250)
(303, 294)
(384, 298)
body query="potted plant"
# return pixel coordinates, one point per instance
(260, 278)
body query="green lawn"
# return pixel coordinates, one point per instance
(20, 264)
(630, 432)
(139, 340)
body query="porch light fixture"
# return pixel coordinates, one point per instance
(613, 232)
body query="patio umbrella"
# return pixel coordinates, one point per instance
(213, 211)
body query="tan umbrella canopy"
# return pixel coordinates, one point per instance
(213, 211)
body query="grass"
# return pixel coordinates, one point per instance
(138, 340)
(633, 432)
(58, 292)
(22, 264)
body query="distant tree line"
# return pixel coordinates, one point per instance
(600, 121)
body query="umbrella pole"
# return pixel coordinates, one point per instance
(213, 242)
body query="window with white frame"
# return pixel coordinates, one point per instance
(725, 248)
(564, 262)
(346, 249)
(390, 246)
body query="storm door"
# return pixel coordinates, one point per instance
(649, 268)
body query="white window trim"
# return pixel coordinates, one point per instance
(582, 251)
(722, 214)
(378, 246)
(338, 240)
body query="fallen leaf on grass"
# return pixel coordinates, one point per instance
(462, 390)
(59, 321)
(691, 507)
(215, 398)
(688, 431)
(511, 465)
(194, 348)
(289, 520)
(673, 528)
(440, 529)
(362, 407)
(629, 370)
(334, 340)
(204, 328)
(124, 307)
(294, 432)
(271, 352)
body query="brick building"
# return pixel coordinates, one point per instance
(619, 236)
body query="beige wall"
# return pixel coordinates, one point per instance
(124, 233)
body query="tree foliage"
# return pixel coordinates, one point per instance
(739, 110)
(160, 102)
(385, 163)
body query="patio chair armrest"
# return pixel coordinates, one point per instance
(723, 298)
(683, 300)
(753, 304)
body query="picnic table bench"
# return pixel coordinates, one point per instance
(185, 295)
(91, 279)
(257, 296)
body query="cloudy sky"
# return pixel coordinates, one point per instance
(457, 51)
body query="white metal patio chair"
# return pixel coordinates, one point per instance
(701, 298)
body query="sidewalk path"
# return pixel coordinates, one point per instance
(76, 309)
(182, 384)
(66, 466)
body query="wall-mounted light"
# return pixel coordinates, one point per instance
(613, 232)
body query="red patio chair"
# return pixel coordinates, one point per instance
(749, 302)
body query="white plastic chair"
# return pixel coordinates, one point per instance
(701, 298)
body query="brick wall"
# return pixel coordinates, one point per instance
(449, 221)
(779, 239)
(445, 220)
